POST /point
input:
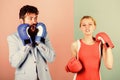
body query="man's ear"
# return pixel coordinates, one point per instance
(21, 21)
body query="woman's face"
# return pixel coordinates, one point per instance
(87, 26)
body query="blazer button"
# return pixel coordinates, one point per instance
(45, 69)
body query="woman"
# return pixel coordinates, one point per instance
(90, 50)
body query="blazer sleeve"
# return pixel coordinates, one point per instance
(46, 50)
(17, 53)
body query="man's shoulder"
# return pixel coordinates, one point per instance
(13, 35)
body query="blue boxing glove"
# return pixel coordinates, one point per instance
(41, 32)
(23, 33)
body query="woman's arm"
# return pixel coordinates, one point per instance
(74, 47)
(108, 57)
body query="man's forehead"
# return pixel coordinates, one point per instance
(31, 14)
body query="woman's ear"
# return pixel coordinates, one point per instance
(80, 28)
(94, 27)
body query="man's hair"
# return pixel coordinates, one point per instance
(27, 9)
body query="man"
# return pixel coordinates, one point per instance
(30, 48)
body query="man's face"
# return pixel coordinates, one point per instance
(31, 19)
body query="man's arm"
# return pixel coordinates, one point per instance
(46, 50)
(17, 54)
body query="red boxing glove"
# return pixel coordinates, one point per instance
(73, 65)
(102, 36)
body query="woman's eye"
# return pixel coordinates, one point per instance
(83, 25)
(90, 24)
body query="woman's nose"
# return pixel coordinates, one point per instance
(87, 26)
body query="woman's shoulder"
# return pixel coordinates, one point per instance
(75, 44)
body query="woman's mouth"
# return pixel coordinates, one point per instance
(87, 30)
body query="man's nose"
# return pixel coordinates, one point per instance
(34, 21)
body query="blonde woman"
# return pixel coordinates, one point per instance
(90, 50)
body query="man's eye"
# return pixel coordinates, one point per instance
(30, 18)
(35, 18)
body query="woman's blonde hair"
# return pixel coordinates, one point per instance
(87, 17)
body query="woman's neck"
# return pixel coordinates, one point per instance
(88, 40)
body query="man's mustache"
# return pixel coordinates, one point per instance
(33, 25)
